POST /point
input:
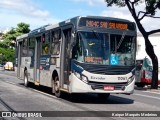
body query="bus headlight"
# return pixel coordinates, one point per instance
(81, 77)
(130, 79)
(84, 79)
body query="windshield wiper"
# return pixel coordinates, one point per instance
(121, 40)
(96, 34)
(99, 38)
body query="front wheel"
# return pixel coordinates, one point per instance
(140, 85)
(56, 87)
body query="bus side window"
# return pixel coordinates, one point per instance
(45, 44)
(31, 46)
(55, 45)
(25, 47)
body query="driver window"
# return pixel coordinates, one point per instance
(55, 45)
(77, 50)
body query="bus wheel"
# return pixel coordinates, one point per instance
(140, 85)
(103, 96)
(26, 83)
(57, 87)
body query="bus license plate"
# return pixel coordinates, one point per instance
(108, 87)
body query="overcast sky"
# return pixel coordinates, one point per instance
(41, 12)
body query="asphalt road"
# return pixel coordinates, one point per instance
(19, 98)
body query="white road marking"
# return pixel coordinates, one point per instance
(152, 92)
(44, 93)
(9, 82)
(148, 96)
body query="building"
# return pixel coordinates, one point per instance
(155, 41)
(141, 53)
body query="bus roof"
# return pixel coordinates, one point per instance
(108, 18)
(19, 38)
(72, 20)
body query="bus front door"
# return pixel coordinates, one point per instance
(65, 62)
(37, 61)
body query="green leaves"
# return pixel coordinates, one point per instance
(7, 54)
(7, 46)
(119, 3)
(22, 28)
(151, 6)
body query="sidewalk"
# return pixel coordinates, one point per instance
(148, 88)
(153, 90)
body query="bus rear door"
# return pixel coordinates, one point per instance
(37, 61)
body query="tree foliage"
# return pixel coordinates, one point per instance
(7, 46)
(151, 6)
(150, 9)
(22, 28)
(6, 54)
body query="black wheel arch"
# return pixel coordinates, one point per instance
(25, 69)
(54, 74)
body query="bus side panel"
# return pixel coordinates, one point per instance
(46, 74)
(22, 66)
(21, 75)
(55, 67)
(25, 63)
(30, 74)
(45, 78)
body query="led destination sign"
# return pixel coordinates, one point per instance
(112, 25)
(108, 24)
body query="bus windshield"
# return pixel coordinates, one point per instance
(96, 48)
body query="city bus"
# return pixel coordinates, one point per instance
(85, 54)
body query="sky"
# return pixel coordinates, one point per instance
(42, 12)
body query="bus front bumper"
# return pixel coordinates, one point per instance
(78, 86)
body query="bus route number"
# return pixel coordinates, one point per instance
(102, 24)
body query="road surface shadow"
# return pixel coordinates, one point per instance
(85, 98)
(94, 99)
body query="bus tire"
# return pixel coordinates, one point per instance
(103, 96)
(26, 82)
(140, 85)
(56, 87)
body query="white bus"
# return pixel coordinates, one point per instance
(80, 55)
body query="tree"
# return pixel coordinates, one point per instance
(151, 6)
(22, 28)
(9, 39)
